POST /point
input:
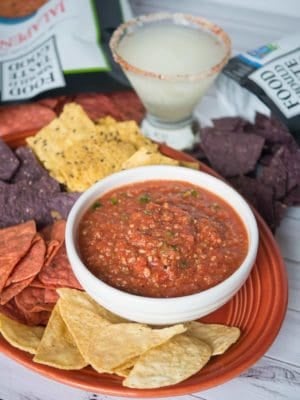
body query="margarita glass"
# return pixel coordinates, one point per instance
(170, 60)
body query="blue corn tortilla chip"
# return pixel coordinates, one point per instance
(60, 204)
(229, 124)
(232, 153)
(291, 160)
(23, 201)
(272, 129)
(293, 197)
(265, 159)
(259, 195)
(277, 170)
(275, 174)
(30, 168)
(8, 162)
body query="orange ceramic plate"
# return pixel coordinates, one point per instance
(258, 310)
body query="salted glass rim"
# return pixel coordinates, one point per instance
(179, 19)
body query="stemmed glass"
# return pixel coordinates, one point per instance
(170, 98)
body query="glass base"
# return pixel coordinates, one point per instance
(178, 136)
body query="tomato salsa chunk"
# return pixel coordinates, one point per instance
(162, 239)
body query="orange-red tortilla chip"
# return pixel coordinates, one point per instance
(37, 283)
(32, 300)
(24, 117)
(32, 304)
(129, 105)
(58, 272)
(51, 295)
(55, 231)
(25, 271)
(52, 248)
(98, 105)
(37, 318)
(11, 310)
(30, 265)
(15, 241)
(13, 289)
(36, 303)
(55, 236)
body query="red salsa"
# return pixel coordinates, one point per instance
(162, 239)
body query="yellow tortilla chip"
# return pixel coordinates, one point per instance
(146, 156)
(75, 119)
(69, 131)
(21, 336)
(124, 369)
(83, 315)
(170, 363)
(116, 344)
(72, 126)
(129, 131)
(126, 131)
(106, 121)
(57, 347)
(218, 337)
(189, 164)
(122, 372)
(77, 299)
(80, 323)
(78, 153)
(87, 164)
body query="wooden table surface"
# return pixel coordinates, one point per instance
(277, 374)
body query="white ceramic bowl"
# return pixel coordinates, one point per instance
(161, 311)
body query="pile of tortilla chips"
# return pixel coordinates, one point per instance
(27, 191)
(260, 160)
(78, 152)
(32, 266)
(80, 332)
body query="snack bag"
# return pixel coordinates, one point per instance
(270, 72)
(58, 47)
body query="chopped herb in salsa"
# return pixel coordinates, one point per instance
(190, 192)
(144, 199)
(114, 201)
(96, 204)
